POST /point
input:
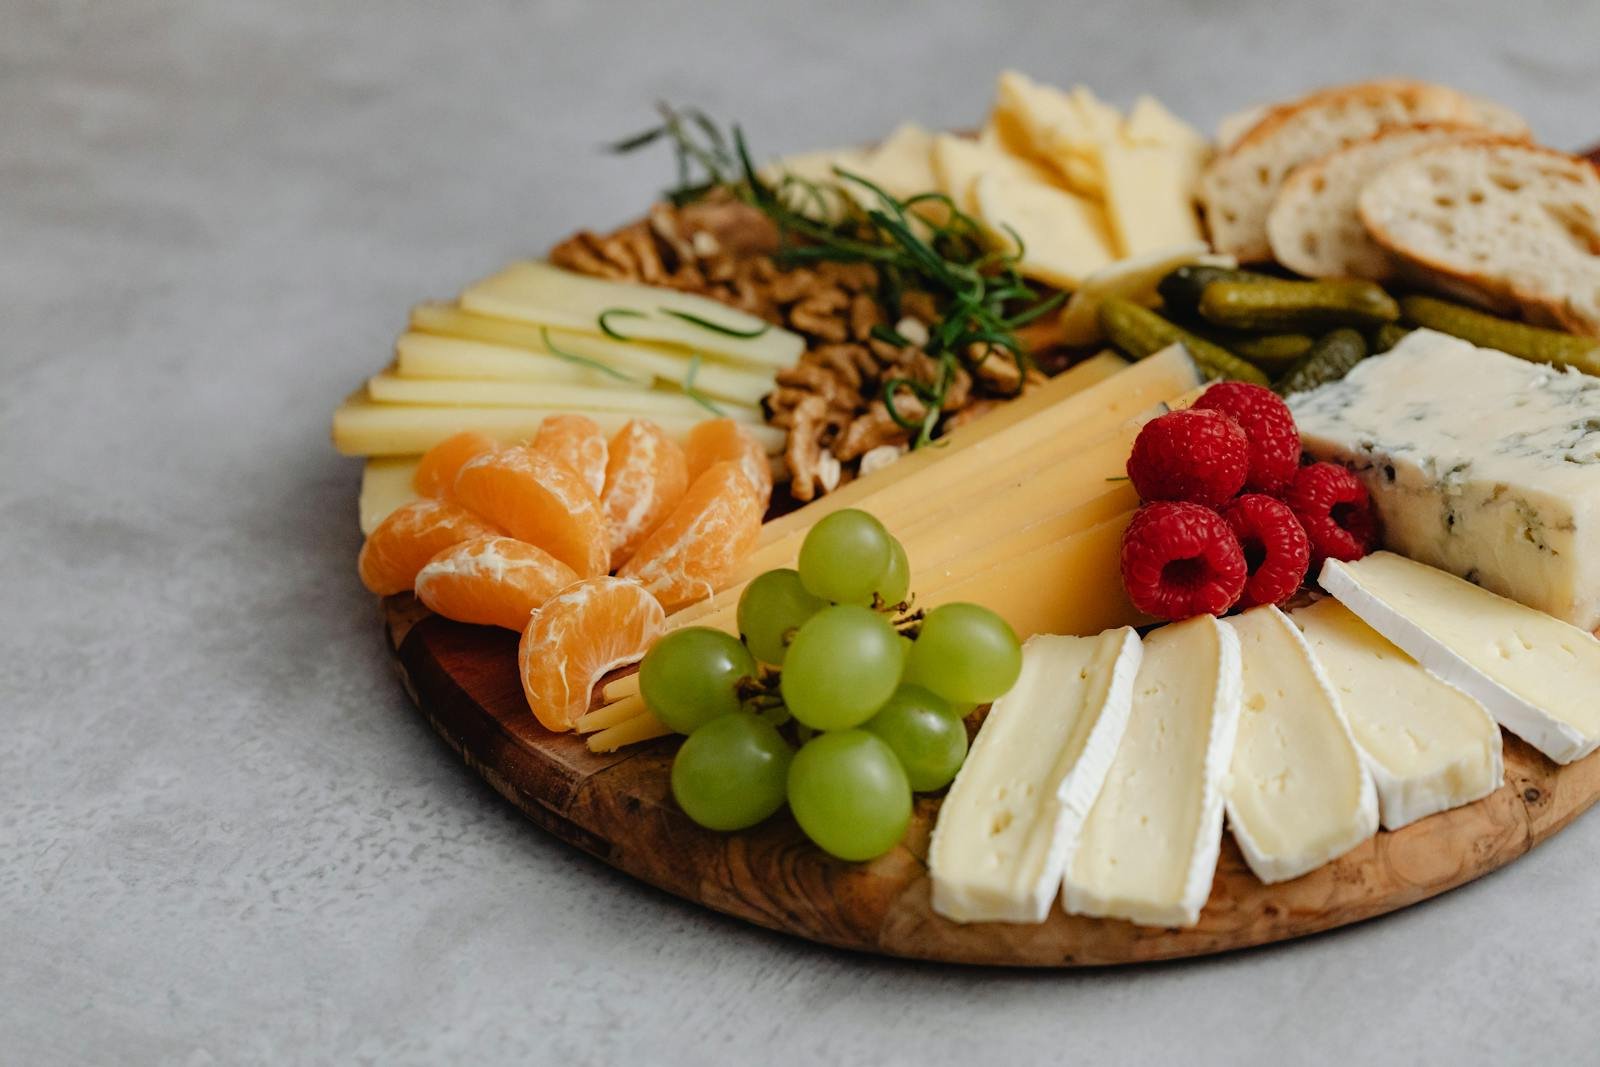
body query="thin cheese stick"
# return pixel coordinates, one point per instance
(642, 727)
(613, 713)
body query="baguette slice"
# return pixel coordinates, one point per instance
(1238, 187)
(1314, 226)
(1510, 225)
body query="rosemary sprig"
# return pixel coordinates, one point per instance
(583, 361)
(717, 327)
(923, 242)
(617, 313)
(694, 394)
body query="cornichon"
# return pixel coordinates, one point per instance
(1328, 360)
(1274, 305)
(1388, 335)
(1272, 350)
(1180, 290)
(1140, 332)
(1490, 331)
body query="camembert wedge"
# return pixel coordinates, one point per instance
(1430, 747)
(1149, 847)
(1298, 793)
(1011, 821)
(1537, 675)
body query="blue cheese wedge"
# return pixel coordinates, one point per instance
(1537, 675)
(1149, 847)
(1299, 793)
(1430, 747)
(1479, 463)
(1011, 821)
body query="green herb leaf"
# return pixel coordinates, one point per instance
(584, 361)
(714, 327)
(617, 313)
(694, 394)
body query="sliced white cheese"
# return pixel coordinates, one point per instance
(1010, 823)
(1149, 847)
(646, 403)
(1430, 747)
(1538, 676)
(386, 484)
(428, 356)
(1480, 463)
(1134, 279)
(1065, 237)
(540, 293)
(1298, 793)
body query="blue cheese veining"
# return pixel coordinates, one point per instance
(1479, 463)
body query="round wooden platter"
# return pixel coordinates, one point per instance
(618, 808)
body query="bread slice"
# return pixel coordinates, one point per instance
(1237, 189)
(1514, 226)
(1313, 225)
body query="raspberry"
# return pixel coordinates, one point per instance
(1200, 457)
(1276, 548)
(1266, 421)
(1180, 560)
(1333, 506)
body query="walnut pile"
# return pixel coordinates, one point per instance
(831, 402)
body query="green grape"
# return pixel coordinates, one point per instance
(965, 654)
(895, 582)
(771, 608)
(844, 556)
(849, 794)
(689, 677)
(841, 667)
(732, 772)
(925, 734)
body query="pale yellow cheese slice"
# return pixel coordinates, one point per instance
(1064, 236)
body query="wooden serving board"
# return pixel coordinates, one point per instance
(618, 808)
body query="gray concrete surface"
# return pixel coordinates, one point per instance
(225, 838)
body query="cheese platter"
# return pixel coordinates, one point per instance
(1080, 542)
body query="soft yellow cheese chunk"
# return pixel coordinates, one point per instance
(386, 484)
(543, 294)
(1064, 236)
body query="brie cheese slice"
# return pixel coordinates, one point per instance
(1149, 848)
(1537, 675)
(1298, 794)
(1010, 823)
(1430, 747)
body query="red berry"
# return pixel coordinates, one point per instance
(1333, 506)
(1200, 457)
(1180, 560)
(1266, 421)
(1276, 548)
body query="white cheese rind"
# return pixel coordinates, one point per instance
(1298, 792)
(1149, 847)
(1430, 746)
(1478, 463)
(1537, 675)
(1010, 823)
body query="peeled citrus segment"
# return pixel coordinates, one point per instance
(711, 530)
(725, 441)
(581, 633)
(646, 476)
(541, 501)
(492, 581)
(436, 471)
(577, 442)
(414, 533)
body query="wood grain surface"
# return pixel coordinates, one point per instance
(617, 807)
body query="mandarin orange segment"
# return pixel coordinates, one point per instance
(580, 634)
(711, 530)
(577, 442)
(646, 476)
(414, 533)
(725, 441)
(436, 471)
(492, 581)
(541, 501)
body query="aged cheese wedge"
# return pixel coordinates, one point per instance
(1134, 279)
(385, 486)
(1064, 236)
(1478, 462)
(1430, 747)
(504, 342)
(1298, 793)
(1537, 675)
(1149, 847)
(539, 293)
(1010, 824)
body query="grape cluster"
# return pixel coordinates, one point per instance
(836, 699)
